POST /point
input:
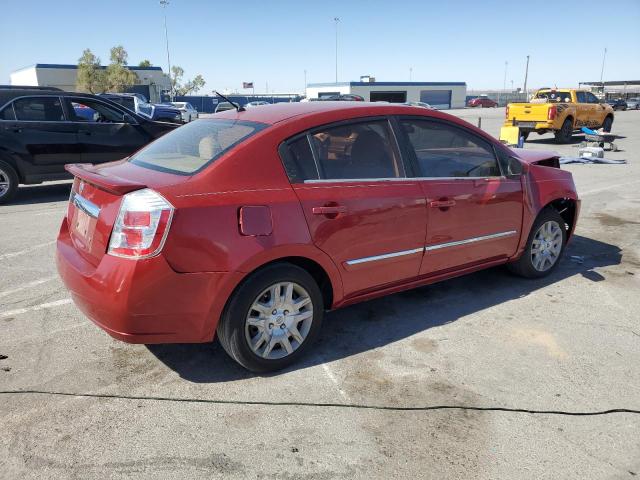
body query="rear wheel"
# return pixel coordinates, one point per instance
(565, 133)
(607, 124)
(8, 182)
(272, 318)
(544, 247)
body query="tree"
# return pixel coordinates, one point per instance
(91, 78)
(145, 63)
(118, 76)
(191, 86)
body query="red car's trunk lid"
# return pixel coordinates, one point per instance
(96, 195)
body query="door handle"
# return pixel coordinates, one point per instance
(329, 210)
(15, 129)
(443, 204)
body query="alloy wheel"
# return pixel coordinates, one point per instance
(279, 320)
(4, 182)
(546, 246)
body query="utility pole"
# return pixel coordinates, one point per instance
(526, 75)
(164, 4)
(305, 83)
(336, 20)
(604, 55)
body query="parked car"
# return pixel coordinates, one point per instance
(482, 102)
(257, 103)
(187, 111)
(633, 103)
(347, 97)
(139, 104)
(419, 104)
(42, 130)
(223, 107)
(251, 224)
(617, 103)
(561, 111)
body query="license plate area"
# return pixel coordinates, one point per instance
(84, 219)
(527, 124)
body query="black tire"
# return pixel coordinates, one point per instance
(565, 133)
(231, 329)
(8, 182)
(607, 124)
(524, 266)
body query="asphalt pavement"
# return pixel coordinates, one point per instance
(496, 347)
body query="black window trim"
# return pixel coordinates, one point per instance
(12, 103)
(284, 150)
(414, 160)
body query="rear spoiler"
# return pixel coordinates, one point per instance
(89, 173)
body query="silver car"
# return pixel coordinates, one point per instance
(633, 103)
(186, 110)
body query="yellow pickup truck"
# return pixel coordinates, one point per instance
(560, 111)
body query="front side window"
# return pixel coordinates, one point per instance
(190, 148)
(7, 113)
(356, 151)
(87, 110)
(591, 98)
(447, 151)
(39, 109)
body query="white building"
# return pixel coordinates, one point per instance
(152, 79)
(441, 95)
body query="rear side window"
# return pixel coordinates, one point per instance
(298, 161)
(39, 109)
(190, 148)
(447, 151)
(364, 150)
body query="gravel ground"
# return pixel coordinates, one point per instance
(570, 342)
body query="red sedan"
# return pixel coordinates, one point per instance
(482, 102)
(250, 225)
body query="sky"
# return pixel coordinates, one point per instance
(273, 42)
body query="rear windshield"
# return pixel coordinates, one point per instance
(190, 148)
(555, 96)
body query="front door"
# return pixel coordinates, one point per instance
(474, 213)
(360, 207)
(105, 133)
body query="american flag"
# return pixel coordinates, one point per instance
(247, 84)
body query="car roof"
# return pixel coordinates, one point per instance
(9, 94)
(283, 111)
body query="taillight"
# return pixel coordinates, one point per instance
(553, 111)
(507, 112)
(141, 226)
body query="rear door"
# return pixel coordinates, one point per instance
(47, 139)
(360, 207)
(474, 213)
(105, 133)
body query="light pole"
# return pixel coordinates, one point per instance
(604, 55)
(504, 80)
(164, 4)
(305, 82)
(336, 21)
(526, 74)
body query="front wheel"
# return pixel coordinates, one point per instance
(607, 124)
(545, 246)
(272, 318)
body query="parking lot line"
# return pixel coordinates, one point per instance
(4, 256)
(608, 187)
(33, 308)
(333, 378)
(28, 285)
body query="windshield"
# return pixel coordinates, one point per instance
(555, 96)
(192, 147)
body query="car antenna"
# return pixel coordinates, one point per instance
(238, 107)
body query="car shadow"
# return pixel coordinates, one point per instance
(576, 139)
(45, 193)
(369, 325)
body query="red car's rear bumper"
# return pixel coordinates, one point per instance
(143, 301)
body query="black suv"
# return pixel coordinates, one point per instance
(42, 130)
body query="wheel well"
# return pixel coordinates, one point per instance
(566, 207)
(571, 119)
(315, 270)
